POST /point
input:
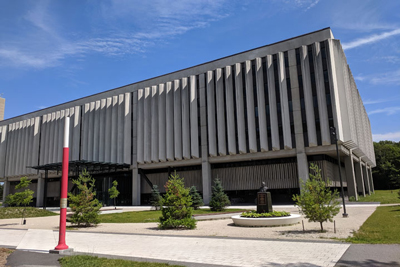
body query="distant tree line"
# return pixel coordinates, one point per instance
(386, 174)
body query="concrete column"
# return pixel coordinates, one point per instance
(359, 178)
(147, 125)
(177, 120)
(262, 116)
(42, 139)
(136, 187)
(96, 132)
(185, 119)
(230, 109)
(3, 150)
(322, 107)
(251, 122)
(287, 135)
(194, 121)
(162, 145)
(272, 104)
(366, 179)
(154, 124)
(220, 112)
(302, 168)
(241, 127)
(170, 121)
(302, 162)
(350, 175)
(40, 192)
(90, 130)
(372, 180)
(18, 154)
(6, 190)
(212, 141)
(205, 165)
(140, 126)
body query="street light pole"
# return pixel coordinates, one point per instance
(334, 136)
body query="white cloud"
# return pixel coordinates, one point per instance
(312, 4)
(386, 136)
(387, 78)
(370, 39)
(388, 111)
(149, 22)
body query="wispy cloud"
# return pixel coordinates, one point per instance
(382, 100)
(388, 111)
(160, 22)
(386, 136)
(370, 39)
(312, 4)
(388, 78)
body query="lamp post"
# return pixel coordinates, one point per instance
(334, 136)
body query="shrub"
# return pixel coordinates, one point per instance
(156, 199)
(316, 201)
(22, 198)
(219, 200)
(352, 199)
(197, 201)
(254, 214)
(85, 206)
(176, 210)
(113, 192)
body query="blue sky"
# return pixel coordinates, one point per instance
(52, 52)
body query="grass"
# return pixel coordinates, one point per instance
(16, 212)
(147, 216)
(382, 227)
(91, 261)
(382, 196)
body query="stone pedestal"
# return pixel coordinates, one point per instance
(264, 202)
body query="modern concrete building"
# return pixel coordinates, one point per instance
(260, 115)
(2, 107)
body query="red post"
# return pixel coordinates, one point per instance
(64, 189)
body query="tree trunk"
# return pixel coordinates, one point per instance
(322, 228)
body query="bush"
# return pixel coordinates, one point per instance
(254, 214)
(316, 201)
(156, 199)
(85, 206)
(197, 201)
(22, 198)
(176, 210)
(219, 200)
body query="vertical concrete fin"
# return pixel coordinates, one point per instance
(177, 120)
(272, 104)
(127, 117)
(194, 121)
(287, 135)
(251, 122)
(140, 126)
(262, 116)
(220, 104)
(230, 109)
(154, 123)
(162, 140)
(170, 121)
(241, 128)
(185, 119)
(211, 123)
(308, 98)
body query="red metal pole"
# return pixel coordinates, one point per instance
(64, 189)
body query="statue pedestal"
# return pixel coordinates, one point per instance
(264, 202)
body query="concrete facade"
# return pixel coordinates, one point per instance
(260, 115)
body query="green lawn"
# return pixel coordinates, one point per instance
(382, 227)
(91, 261)
(16, 212)
(382, 196)
(146, 216)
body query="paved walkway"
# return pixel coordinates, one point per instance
(201, 250)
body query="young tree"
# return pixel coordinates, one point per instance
(22, 198)
(219, 200)
(316, 201)
(113, 192)
(156, 199)
(85, 206)
(197, 201)
(176, 210)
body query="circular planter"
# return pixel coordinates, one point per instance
(265, 222)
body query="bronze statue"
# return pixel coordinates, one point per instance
(263, 188)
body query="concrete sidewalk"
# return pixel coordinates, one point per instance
(196, 250)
